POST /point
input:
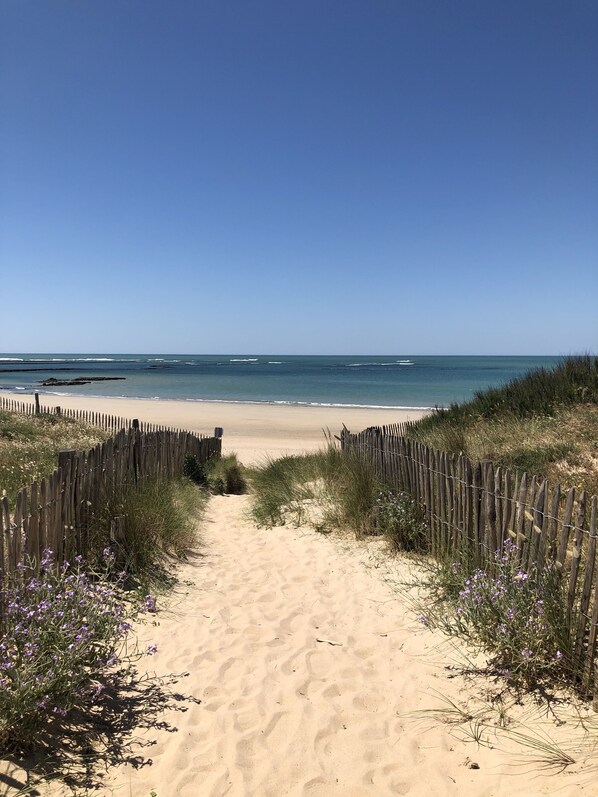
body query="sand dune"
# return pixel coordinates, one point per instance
(309, 668)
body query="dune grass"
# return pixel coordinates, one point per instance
(329, 491)
(29, 446)
(159, 524)
(545, 423)
(219, 475)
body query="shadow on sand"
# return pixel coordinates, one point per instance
(77, 752)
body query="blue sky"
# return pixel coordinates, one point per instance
(323, 176)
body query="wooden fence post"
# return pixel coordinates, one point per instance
(65, 455)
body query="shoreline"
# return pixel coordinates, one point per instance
(255, 431)
(273, 403)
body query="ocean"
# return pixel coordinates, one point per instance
(400, 381)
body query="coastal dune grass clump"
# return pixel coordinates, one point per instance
(331, 490)
(156, 522)
(29, 446)
(220, 475)
(545, 423)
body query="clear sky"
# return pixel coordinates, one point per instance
(314, 176)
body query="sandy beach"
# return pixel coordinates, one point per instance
(295, 663)
(302, 672)
(253, 431)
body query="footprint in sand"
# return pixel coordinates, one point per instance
(369, 701)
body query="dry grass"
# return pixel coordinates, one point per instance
(562, 447)
(29, 446)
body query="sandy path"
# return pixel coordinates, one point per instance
(284, 714)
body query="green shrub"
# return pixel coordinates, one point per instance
(62, 636)
(401, 520)
(194, 470)
(516, 616)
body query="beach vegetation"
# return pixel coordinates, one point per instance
(226, 475)
(331, 490)
(401, 520)
(220, 475)
(29, 446)
(194, 470)
(545, 423)
(63, 639)
(516, 616)
(156, 523)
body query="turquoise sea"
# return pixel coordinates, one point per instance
(401, 380)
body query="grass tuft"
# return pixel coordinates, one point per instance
(220, 475)
(333, 490)
(159, 522)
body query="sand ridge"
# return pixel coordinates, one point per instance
(307, 668)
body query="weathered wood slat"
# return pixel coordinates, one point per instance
(590, 653)
(566, 528)
(586, 591)
(472, 508)
(576, 551)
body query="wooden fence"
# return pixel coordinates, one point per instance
(61, 512)
(110, 423)
(473, 507)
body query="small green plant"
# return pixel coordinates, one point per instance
(515, 615)
(401, 520)
(194, 470)
(62, 636)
